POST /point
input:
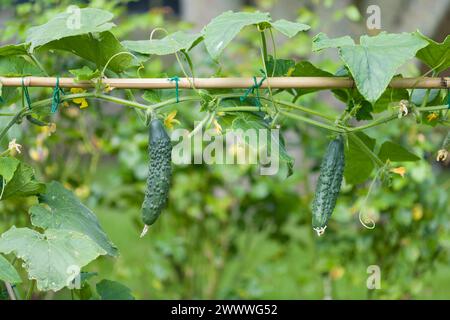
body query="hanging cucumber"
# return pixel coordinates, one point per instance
(159, 174)
(328, 185)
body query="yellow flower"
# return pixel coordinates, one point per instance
(400, 171)
(48, 130)
(417, 212)
(432, 116)
(337, 273)
(108, 88)
(170, 120)
(39, 153)
(81, 101)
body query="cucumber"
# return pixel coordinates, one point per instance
(159, 174)
(328, 185)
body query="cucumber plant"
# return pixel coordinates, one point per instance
(63, 227)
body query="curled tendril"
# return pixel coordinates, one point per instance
(156, 30)
(366, 221)
(115, 56)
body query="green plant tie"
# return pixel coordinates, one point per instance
(27, 95)
(176, 79)
(253, 88)
(56, 98)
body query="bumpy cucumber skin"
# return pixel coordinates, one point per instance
(328, 185)
(159, 174)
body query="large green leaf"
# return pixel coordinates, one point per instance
(321, 41)
(14, 49)
(245, 121)
(98, 48)
(23, 183)
(60, 209)
(17, 66)
(289, 28)
(374, 62)
(53, 258)
(395, 152)
(69, 24)
(168, 45)
(7, 272)
(435, 55)
(112, 290)
(358, 165)
(8, 166)
(223, 28)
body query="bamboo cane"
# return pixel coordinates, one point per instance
(223, 83)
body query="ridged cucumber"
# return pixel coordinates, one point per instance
(328, 185)
(159, 173)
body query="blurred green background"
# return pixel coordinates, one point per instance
(230, 233)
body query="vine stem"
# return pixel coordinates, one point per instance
(353, 137)
(311, 121)
(12, 122)
(154, 107)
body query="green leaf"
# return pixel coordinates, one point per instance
(435, 55)
(112, 290)
(60, 209)
(321, 41)
(390, 96)
(8, 95)
(17, 66)
(307, 69)
(8, 166)
(374, 62)
(245, 121)
(283, 67)
(7, 272)
(170, 44)
(69, 24)
(364, 110)
(358, 165)
(14, 49)
(98, 48)
(85, 74)
(223, 28)
(289, 28)
(395, 152)
(152, 96)
(418, 95)
(23, 183)
(53, 258)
